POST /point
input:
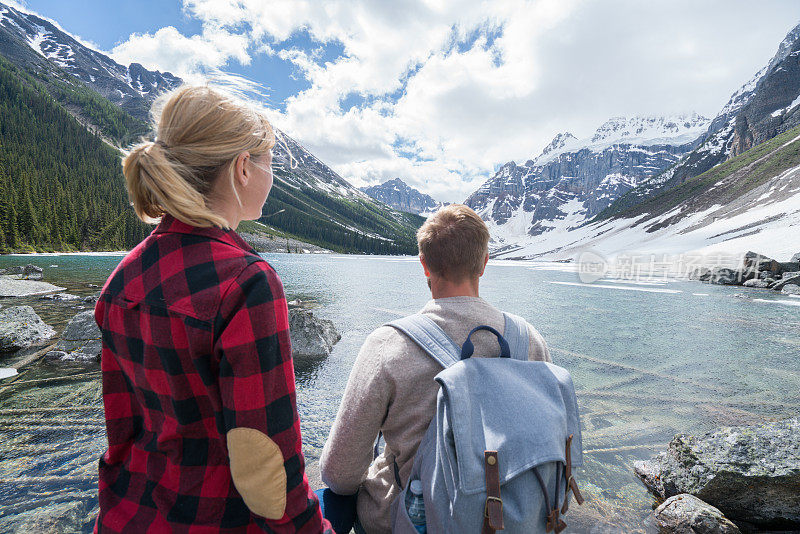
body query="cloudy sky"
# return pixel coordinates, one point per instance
(441, 93)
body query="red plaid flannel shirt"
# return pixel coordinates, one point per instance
(195, 343)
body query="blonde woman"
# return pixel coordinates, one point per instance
(198, 381)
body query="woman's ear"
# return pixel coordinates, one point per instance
(240, 173)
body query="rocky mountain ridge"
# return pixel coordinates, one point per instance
(766, 106)
(572, 180)
(131, 87)
(400, 196)
(309, 200)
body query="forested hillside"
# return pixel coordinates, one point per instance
(67, 111)
(61, 187)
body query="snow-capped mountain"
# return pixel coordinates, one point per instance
(399, 195)
(767, 105)
(750, 203)
(738, 190)
(131, 87)
(572, 179)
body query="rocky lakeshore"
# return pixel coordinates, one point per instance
(751, 474)
(756, 271)
(21, 327)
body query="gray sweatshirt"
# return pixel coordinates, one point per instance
(391, 389)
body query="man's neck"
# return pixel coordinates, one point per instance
(442, 289)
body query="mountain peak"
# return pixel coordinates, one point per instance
(638, 128)
(401, 196)
(559, 141)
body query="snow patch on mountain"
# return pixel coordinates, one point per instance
(766, 219)
(636, 131)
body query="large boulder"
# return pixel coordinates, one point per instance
(686, 514)
(751, 473)
(756, 263)
(312, 337)
(20, 327)
(80, 341)
(785, 281)
(796, 258)
(791, 289)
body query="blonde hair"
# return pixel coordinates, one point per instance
(200, 131)
(454, 243)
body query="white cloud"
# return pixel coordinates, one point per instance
(169, 50)
(445, 108)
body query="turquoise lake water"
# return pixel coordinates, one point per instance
(648, 359)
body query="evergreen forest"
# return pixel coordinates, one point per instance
(62, 188)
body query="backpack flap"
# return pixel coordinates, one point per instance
(524, 410)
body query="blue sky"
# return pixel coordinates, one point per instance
(441, 93)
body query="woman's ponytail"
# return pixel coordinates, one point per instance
(201, 131)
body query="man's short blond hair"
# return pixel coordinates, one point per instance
(454, 242)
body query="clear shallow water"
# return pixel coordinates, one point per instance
(646, 365)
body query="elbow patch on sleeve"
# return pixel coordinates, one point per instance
(258, 471)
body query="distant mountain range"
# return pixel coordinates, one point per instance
(663, 185)
(399, 195)
(572, 180)
(309, 201)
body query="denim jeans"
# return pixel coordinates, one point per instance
(340, 510)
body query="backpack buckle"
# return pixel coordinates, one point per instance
(486, 506)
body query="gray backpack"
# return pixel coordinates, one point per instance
(499, 452)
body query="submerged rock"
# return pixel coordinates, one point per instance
(13, 286)
(20, 326)
(686, 514)
(60, 296)
(312, 337)
(80, 341)
(751, 473)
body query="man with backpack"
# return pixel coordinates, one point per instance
(393, 390)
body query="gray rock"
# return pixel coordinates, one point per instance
(60, 296)
(790, 274)
(80, 341)
(756, 283)
(312, 337)
(27, 272)
(12, 286)
(791, 289)
(727, 277)
(751, 473)
(756, 263)
(702, 274)
(686, 514)
(783, 282)
(796, 258)
(32, 272)
(20, 327)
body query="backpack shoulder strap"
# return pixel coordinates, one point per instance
(430, 337)
(516, 333)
